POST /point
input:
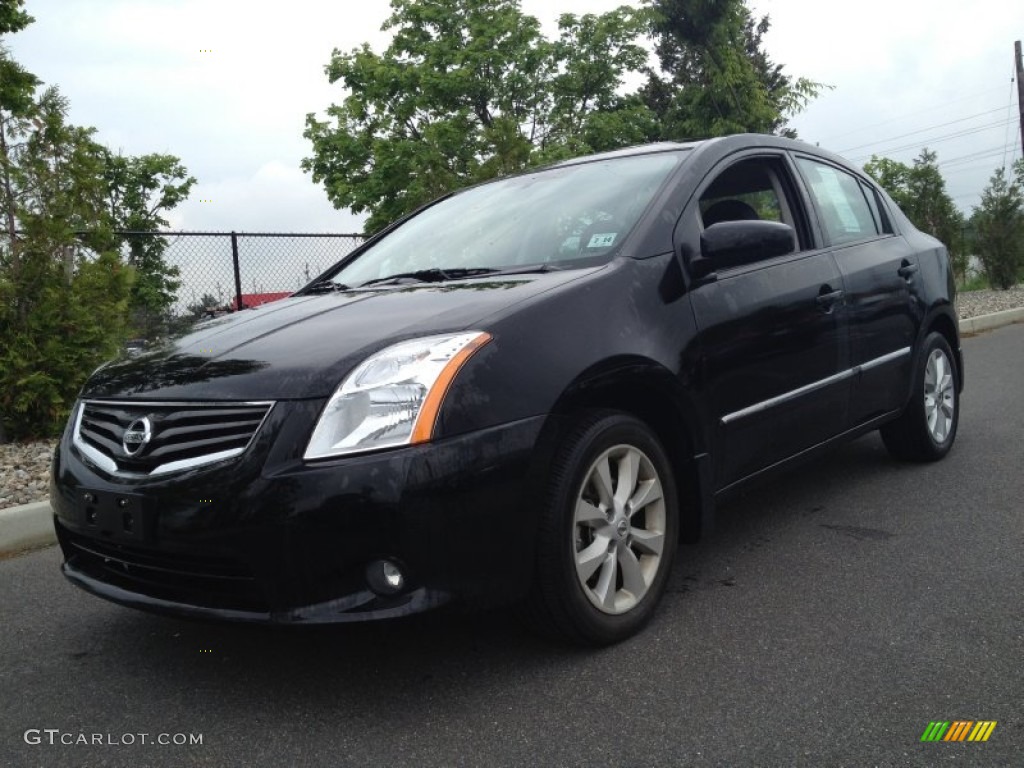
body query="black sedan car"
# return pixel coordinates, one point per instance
(527, 391)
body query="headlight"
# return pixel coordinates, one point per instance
(393, 397)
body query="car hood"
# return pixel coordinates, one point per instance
(302, 347)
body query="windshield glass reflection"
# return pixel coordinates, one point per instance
(561, 217)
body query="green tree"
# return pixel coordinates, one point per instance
(469, 90)
(716, 78)
(206, 302)
(63, 299)
(17, 87)
(894, 178)
(139, 191)
(999, 222)
(920, 192)
(12, 17)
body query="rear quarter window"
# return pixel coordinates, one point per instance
(845, 213)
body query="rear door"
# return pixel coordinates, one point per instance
(879, 270)
(772, 334)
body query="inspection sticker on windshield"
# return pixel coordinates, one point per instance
(602, 240)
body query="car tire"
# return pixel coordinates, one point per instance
(927, 428)
(604, 553)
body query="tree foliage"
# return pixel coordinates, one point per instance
(16, 84)
(139, 191)
(999, 223)
(64, 297)
(920, 192)
(62, 301)
(716, 78)
(469, 90)
(206, 302)
(13, 17)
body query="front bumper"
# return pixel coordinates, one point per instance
(270, 538)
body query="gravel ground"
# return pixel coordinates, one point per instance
(24, 473)
(24, 467)
(975, 303)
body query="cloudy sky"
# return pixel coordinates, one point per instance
(226, 85)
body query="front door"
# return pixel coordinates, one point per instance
(772, 334)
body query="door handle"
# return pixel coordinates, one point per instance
(826, 300)
(906, 270)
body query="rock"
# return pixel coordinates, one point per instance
(24, 473)
(984, 302)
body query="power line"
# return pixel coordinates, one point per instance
(974, 165)
(938, 139)
(981, 154)
(995, 152)
(922, 130)
(969, 158)
(916, 113)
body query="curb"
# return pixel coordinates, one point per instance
(29, 526)
(994, 320)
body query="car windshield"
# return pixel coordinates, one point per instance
(562, 217)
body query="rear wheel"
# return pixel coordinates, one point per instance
(927, 428)
(608, 533)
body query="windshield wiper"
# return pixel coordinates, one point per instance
(432, 275)
(325, 286)
(531, 269)
(437, 275)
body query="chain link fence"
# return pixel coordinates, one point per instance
(232, 270)
(216, 272)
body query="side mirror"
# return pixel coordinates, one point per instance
(735, 243)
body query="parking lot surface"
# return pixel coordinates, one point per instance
(833, 614)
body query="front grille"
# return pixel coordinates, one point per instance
(202, 580)
(164, 437)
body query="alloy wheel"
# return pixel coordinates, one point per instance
(939, 400)
(619, 529)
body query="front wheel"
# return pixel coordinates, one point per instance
(927, 428)
(608, 532)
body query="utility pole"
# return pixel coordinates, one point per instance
(1020, 89)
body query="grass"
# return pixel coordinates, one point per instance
(978, 282)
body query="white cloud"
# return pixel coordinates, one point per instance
(136, 70)
(276, 197)
(900, 67)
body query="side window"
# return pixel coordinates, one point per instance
(763, 204)
(755, 188)
(845, 212)
(877, 209)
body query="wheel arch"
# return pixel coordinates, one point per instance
(942, 320)
(648, 391)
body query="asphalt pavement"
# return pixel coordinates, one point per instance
(830, 618)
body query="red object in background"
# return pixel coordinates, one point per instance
(250, 300)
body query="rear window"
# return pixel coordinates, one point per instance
(839, 197)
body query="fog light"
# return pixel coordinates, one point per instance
(385, 577)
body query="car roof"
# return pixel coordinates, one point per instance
(638, 149)
(720, 144)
